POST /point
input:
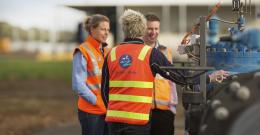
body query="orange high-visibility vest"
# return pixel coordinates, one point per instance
(165, 94)
(130, 84)
(95, 60)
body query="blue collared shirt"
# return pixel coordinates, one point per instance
(79, 75)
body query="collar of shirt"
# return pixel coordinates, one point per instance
(156, 45)
(101, 48)
(159, 46)
(133, 41)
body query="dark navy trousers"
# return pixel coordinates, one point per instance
(128, 129)
(92, 124)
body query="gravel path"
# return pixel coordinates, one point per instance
(66, 129)
(74, 129)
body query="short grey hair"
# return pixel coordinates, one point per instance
(133, 24)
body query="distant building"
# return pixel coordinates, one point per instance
(177, 16)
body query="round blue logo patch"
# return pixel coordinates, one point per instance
(125, 61)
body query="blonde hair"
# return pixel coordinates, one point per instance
(94, 20)
(133, 24)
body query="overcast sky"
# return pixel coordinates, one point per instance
(48, 14)
(53, 14)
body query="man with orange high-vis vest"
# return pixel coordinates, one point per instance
(88, 60)
(127, 79)
(164, 95)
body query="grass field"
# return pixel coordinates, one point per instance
(31, 69)
(34, 95)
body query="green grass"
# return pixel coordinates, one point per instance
(17, 69)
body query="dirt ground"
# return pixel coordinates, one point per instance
(30, 105)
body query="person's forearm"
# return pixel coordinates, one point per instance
(79, 75)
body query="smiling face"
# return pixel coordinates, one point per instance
(100, 33)
(152, 32)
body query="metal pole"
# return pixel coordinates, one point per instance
(166, 10)
(183, 18)
(203, 56)
(119, 11)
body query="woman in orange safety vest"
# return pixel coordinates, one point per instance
(86, 77)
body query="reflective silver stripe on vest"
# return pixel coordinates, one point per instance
(94, 86)
(171, 107)
(91, 74)
(160, 102)
(97, 71)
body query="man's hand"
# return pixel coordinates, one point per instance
(218, 76)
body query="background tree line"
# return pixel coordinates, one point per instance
(34, 34)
